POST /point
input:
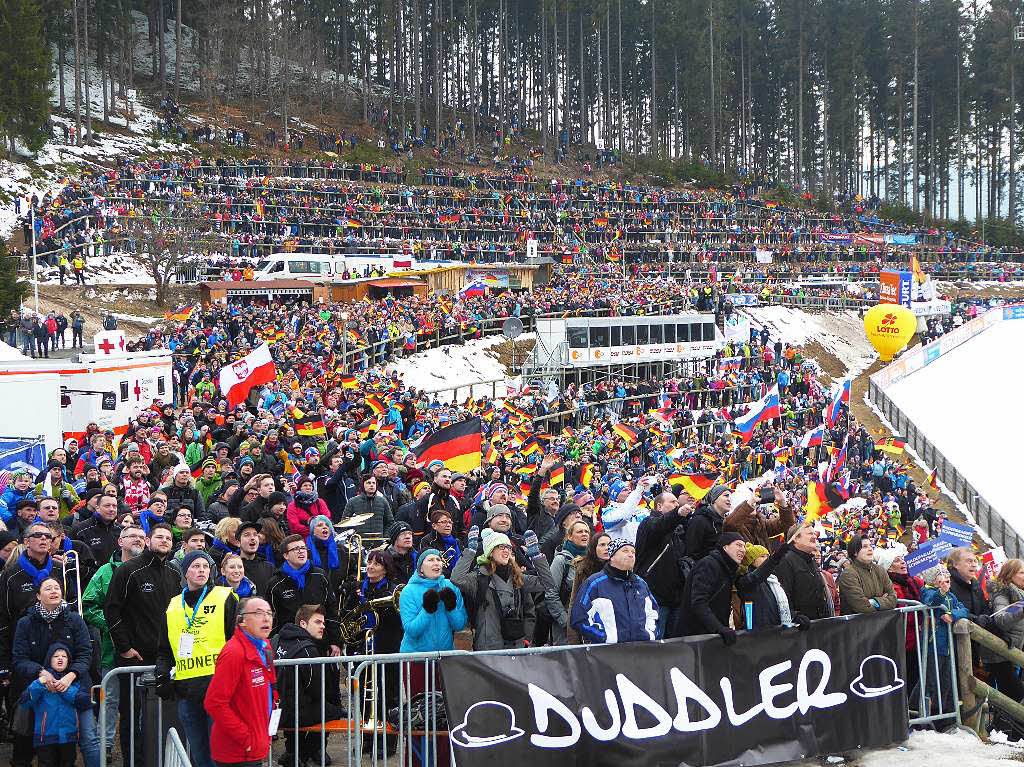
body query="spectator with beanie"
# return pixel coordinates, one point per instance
(199, 622)
(706, 524)
(402, 550)
(707, 596)
(431, 607)
(56, 710)
(326, 553)
(614, 605)
(864, 587)
(763, 602)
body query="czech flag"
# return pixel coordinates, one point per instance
(695, 485)
(764, 409)
(813, 437)
(254, 369)
(457, 446)
(841, 396)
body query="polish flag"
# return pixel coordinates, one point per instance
(238, 378)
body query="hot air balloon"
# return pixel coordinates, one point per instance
(889, 328)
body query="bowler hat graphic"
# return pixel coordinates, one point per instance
(878, 676)
(487, 723)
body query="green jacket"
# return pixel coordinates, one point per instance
(65, 495)
(208, 488)
(92, 605)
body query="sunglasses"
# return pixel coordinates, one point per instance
(40, 535)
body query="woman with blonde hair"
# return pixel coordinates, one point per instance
(225, 539)
(499, 596)
(1007, 592)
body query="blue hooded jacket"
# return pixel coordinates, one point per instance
(429, 632)
(56, 714)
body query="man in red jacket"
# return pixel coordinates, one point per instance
(242, 694)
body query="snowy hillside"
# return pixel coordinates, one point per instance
(967, 404)
(840, 334)
(458, 366)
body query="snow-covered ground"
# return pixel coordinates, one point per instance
(450, 366)
(9, 353)
(957, 749)
(967, 404)
(839, 333)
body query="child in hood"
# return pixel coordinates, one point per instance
(55, 735)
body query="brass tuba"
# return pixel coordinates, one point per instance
(353, 622)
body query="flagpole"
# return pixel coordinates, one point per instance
(35, 276)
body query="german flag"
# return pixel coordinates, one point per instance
(373, 402)
(457, 446)
(613, 255)
(492, 454)
(349, 382)
(892, 445)
(821, 499)
(524, 487)
(625, 432)
(487, 412)
(695, 485)
(386, 429)
(366, 427)
(933, 479)
(527, 469)
(586, 474)
(179, 316)
(531, 446)
(310, 426)
(557, 476)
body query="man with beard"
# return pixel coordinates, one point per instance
(135, 610)
(131, 542)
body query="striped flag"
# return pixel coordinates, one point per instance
(349, 382)
(894, 445)
(373, 402)
(586, 475)
(557, 475)
(822, 498)
(310, 426)
(764, 409)
(627, 434)
(695, 485)
(933, 479)
(457, 446)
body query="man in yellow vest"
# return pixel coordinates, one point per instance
(200, 621)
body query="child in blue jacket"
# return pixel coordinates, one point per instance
(56, 713)
(947, 610)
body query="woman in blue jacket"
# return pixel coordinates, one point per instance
(431, 607)
(947, 611)
(432, 611)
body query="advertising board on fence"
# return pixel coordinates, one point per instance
(776, 695)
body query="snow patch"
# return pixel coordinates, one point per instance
(449, 366)
(839, 333)
(10, 353)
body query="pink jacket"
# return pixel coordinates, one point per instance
(298, 518)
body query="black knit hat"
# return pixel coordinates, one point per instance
(726, 538)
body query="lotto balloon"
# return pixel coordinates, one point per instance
(889, 327)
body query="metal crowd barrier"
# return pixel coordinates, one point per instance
(391, 713)
(175, 754)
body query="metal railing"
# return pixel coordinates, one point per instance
(985, 516)
(390, 710)
(175, 754)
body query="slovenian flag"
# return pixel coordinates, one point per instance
(764, 409)
(473, 289)
(839, 397)
(813, 437)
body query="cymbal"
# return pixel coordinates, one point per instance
(355, 521)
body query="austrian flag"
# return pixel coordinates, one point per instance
(237, 379)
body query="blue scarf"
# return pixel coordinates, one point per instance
(245, 589)
(65, 545)
(38, 574)
(333, 561)
(218, 544)
(299, 576)
(147, 519)
(267, 552)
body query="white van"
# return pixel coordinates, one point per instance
(289, 266)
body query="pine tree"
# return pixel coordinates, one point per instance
(12, 290)
(25, 74)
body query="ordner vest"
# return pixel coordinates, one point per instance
(207, 630)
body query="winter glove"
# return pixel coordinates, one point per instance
(532, 544)
(430, 600)
(728, 636)
(448, 599)
(473, 539)
(802, 622)
(164, 688)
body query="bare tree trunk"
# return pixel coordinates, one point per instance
(711, 48)
(544, 117)
(800, 103)
(85, 62)
(621, 94)
(78, 76)
(417, 80)
(474, 65)
(436, 27)
(62, 42)
(917, 74)
(654, 91)
(177, 54)
(1012, 200)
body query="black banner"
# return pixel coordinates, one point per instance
(775, 696)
